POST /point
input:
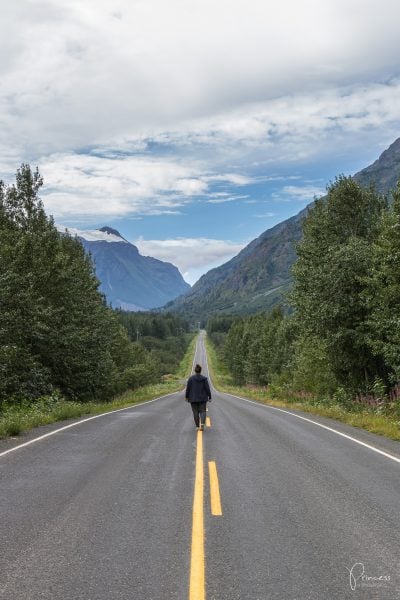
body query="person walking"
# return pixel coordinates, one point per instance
(198, 393)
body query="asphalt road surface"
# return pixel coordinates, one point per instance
(121, 507)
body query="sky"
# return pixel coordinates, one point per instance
(192, 126)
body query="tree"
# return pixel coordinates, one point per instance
(382, 292)
(55, 328)
(334, 258)
(22, 219)
(235, 350)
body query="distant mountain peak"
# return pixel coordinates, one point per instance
(111, 231)
(128, 279)
(105, 234)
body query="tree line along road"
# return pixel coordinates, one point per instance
(138, 505)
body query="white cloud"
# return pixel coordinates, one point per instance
(85, 187)
(75, 73)
(296, 129)
(267, 215)
(233, 178)
(305, 193)
(143, 107)
(93, 235)
(192, 256)
(221, 200)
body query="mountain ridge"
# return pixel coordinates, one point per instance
(129, 280)
(258, 277)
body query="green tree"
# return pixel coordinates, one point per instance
(259, 347)
(254, 366)
(235, 350)
(334, 259)
(21, 314)
(382, 293)
(311, 369)
(55, 328)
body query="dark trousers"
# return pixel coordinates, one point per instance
(199, 412)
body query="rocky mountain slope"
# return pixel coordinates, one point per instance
(384, 173)
(258, 277)
(128, 279)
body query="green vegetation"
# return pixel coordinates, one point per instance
(376, 420)
(338, 352)
(56, 333)
(164, 336)
(331, 281)
(18, 417)
(60, 344)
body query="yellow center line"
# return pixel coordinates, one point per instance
(197, 567)
(208, 422)
(216, 508)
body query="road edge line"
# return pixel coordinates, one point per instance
(345, 435)
(349, 437)
(76, 423)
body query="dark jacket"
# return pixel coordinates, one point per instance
(198, 389)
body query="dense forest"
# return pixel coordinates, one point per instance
(57, 335)
(342, 332)
(164, 336)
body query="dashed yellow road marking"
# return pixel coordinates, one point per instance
(216, 508)
(197, 565)
(208, 422)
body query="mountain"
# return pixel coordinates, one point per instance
(128, 279)
(260, 275)
(384, 173)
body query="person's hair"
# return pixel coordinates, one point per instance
(197, 369)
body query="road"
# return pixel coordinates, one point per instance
(120, 507)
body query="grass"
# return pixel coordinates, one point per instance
(22, 417)
(368, 418)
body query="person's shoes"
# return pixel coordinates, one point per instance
(202, 427)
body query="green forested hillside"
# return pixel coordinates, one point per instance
(343, 336)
